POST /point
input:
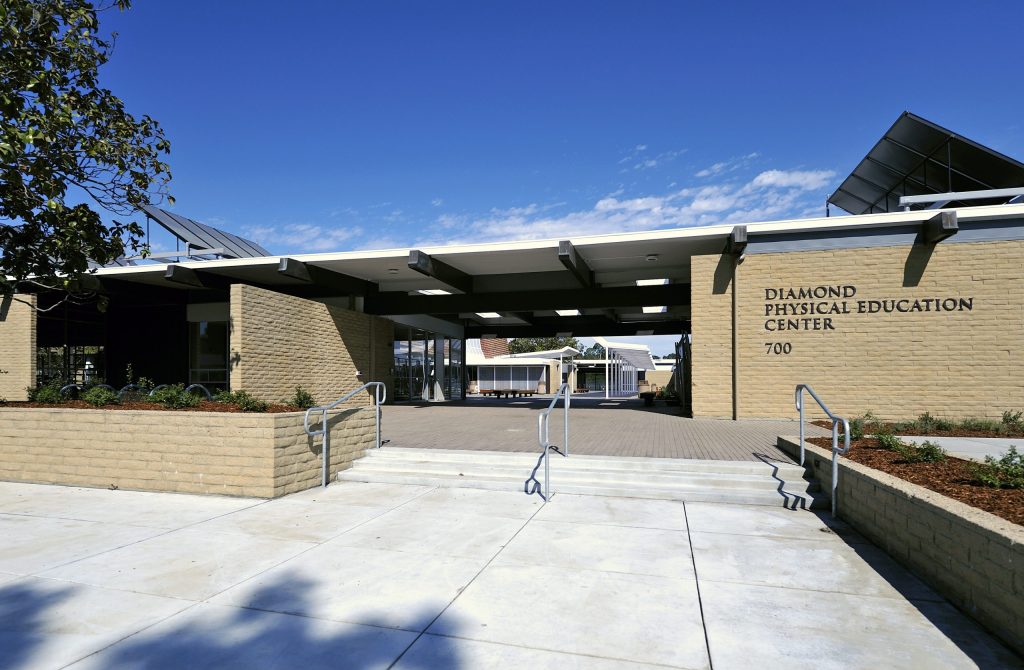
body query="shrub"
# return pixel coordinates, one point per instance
(99, 396)
(1005, 472)
(243, 400)
(1012, 418)
(857, 428)
(889, 441)
(981, 424)
(48, 393)
(175, 397)
(302, 398)
(929, 452)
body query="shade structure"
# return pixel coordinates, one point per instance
(918, 157)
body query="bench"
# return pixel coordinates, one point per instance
(499, 393)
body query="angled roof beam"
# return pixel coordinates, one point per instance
(441, 271)
(737, 242)
(576, 264)
(322, 277)
(179, 274)
(939, 227)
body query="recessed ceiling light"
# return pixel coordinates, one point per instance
(392, 271)
(652, 257)
(488, 315)
(654, 310)
(651, 282)
(434, 291)
(567, 312)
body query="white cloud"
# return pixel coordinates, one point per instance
(437, 202)
(730, 165)
(807, 180)
(772, 194)
(301, 237)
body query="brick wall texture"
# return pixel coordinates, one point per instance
(947, 336)
(280, 341)
(17, 348)
(261, 455)
(971, 557)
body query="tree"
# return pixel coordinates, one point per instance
(593, 352)
(63, 138)
(524, 345)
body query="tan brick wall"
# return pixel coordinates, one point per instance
(17, 347)
(280, 341)
(956, 363)
(711, 326)
(971, 557)
(261, 455)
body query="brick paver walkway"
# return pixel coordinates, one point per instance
(597, 426)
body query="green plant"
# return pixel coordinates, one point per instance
(981, 424)
(175, 397)
(1006, 472)
(129, 374)
(857, 429)
(929, 452)
(302, 398)
(243, 400)
(47, 394)
(99, 396)
(1012, 418)
(247, 403)
(889, 441)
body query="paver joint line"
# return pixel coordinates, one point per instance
(696, 581)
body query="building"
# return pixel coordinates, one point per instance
(914, 303)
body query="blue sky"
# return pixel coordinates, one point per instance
(323, 126)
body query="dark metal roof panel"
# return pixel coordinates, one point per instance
(918, 157)
(201, 235)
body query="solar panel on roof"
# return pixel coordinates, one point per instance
(918, 157)
(202, 236)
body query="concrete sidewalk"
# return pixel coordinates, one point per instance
(378, 576)
(970, 448)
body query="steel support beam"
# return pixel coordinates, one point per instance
(328, 279)
(179, 274)
(441, 271)
(939, 227)
(737, 242)
(578, 330)
(576, 264)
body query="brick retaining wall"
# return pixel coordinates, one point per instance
(261, 455)
(973, 558)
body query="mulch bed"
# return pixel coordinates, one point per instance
(204, 406)
(951, 477)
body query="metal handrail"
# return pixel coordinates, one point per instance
(836, 420)
(544, 438)
(380, 395)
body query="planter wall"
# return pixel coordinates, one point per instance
(261, 455)
(973, 558)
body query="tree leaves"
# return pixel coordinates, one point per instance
(59, 132)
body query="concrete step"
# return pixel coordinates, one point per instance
(752, 483)
(576, 474)
(588, 462)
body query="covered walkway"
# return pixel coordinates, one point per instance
(599, 427)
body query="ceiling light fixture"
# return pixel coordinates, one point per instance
(652, 257)
(488, 315)
(654, 310)
(567, 312)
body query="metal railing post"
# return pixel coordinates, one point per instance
(836, 451)
(380, 395)
(568, 393)
(326, 472)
